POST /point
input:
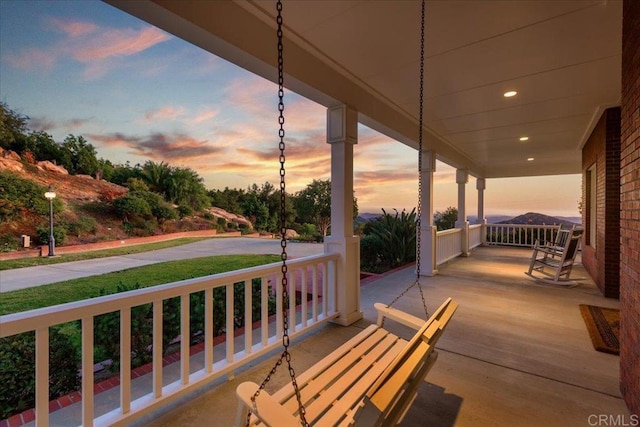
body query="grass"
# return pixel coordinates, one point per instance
(30, 262)
(150, 275)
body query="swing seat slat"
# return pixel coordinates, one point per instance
(372, 379)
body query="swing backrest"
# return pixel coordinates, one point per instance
(390, 396)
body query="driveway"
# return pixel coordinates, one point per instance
(11, 280)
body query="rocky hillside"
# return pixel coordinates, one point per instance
(74, 188)
(80, 195)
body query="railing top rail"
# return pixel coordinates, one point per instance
(15, 323)
(475, 226)
(449, 231)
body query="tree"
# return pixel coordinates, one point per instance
(157, 176)
(44, 147)
(256, 211)
(13, 127)
(79, 157)
(313, 205)
(447, 219)
(185, 187)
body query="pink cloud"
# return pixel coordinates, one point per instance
(115, 42)
(74, 28)
(164, 113)
(203, 116)
(160, 146)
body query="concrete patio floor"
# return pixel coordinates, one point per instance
(517, 353)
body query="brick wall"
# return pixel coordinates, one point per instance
(603, 150)
(630, 209)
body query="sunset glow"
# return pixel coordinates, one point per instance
(137, 93)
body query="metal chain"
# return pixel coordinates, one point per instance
(419, 209)
(283, 242)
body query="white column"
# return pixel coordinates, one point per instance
(480, 186)
(427, 229)
(462, 177)
(342, 135)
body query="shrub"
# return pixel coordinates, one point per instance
(209, 216)
(184, 211)
(17, 370)
(8, 243)
(131, 205)
(107, 333)
(22, 195)
(83, 225)
(398, 236)
(59, 234)
(371, 248)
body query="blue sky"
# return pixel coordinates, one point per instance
(137, 93)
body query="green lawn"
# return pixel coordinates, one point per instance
(30, 262)
(151, 275)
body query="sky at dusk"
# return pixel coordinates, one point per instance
(137, 93)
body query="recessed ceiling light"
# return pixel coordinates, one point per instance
(510, 94)
(530, 159)
(524, 138)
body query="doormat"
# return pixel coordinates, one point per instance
(603, 325)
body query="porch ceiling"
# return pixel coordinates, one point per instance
(563, 58)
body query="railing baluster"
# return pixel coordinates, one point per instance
(42, 377)
(157, 348)
(303, 296)
(229, 325)
(185, 335)
(125, 359)
(314, 291)
(264, 310)
(325, 289)
(292, 300)
(87, 371)
(248, 318)
(208, 330)
(279, 305)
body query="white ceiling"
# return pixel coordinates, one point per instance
(563, 58)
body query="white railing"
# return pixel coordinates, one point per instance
(313, 275)
(448, 245)
(520, 234)
(475, 235)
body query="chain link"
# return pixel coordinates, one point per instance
(286, 356)
(419, 209)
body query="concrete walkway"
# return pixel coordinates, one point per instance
(11, 280)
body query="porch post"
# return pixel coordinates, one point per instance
(462, 177)
(480, 186)
(342, 134)
(427, 229)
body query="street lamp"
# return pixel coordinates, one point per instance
(52, 241)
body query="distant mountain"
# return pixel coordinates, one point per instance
(535, 218)
(368, 216)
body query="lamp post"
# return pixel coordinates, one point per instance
(52, 241)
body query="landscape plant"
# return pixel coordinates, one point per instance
(17, 370)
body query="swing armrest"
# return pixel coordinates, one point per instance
(398, 316)
(267, 409)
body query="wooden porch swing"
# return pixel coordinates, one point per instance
(372, 379)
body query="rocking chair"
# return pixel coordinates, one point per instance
(554, 262)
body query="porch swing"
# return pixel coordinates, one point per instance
(372, 379)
